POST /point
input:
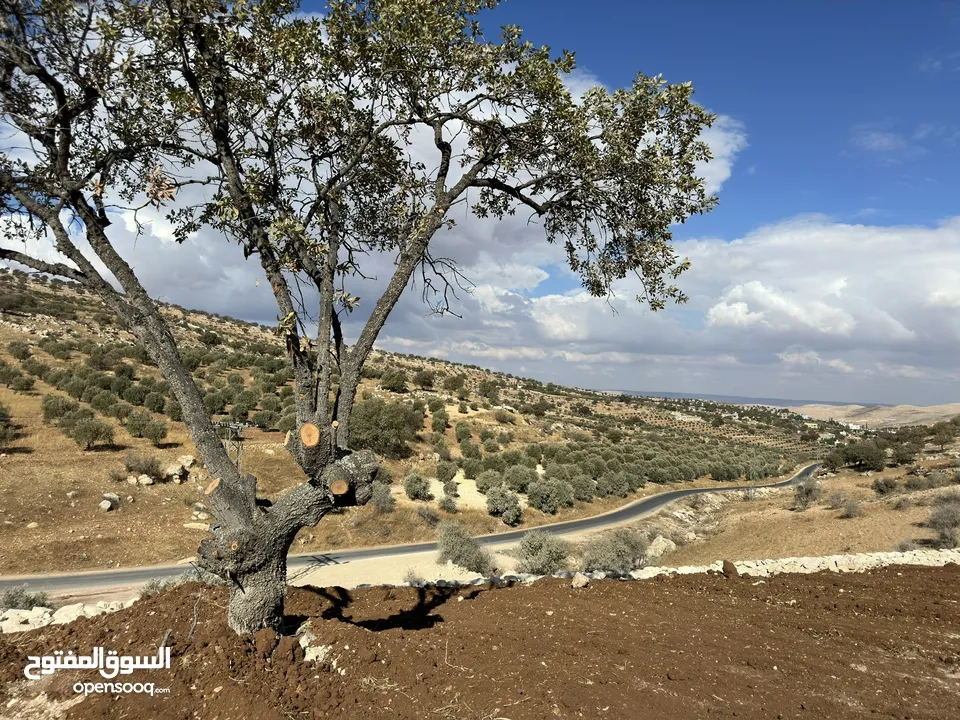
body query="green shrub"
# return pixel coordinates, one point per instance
(22, 384)
(472, 467)
(447, 504)
(120, 410)
(488, 479)
(20, 350)
(91, 431)
(417, 487)
(542, 553)
(155, 431)
(103, 400)
(140, 464)
(172, 410)
(287, 423)
(805, 493)
(55, 407)
(618, 551)
(137, 422)
(446, 471)
(265, 418)
(583, 487)
(851, 509)
(18, 598)
(451, 488)
(519, 477)
(549, 495)
(504, 417)
(457, 547)
(439, 421)
(384, 427)
(945, 519)
(503, 503)
(463, 431)
(462, 408)
(884, 485)
(394, 381)
(154, 402)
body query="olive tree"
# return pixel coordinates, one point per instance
(300, 129)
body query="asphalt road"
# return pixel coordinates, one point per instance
(100, 580)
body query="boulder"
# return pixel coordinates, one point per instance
(175, 473)
(187, 462)
(144, 480)
(660, 546)
(579, 581)
(68, 613)
(730, 570)
(105, 505)
(132, 479)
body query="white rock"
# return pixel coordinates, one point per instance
(144, 480)
(132, 479)
(68, 613)
(186, 461)
(659, 546)
(105, 505)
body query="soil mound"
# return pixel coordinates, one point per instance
(826, 645)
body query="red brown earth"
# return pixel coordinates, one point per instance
(881, 644)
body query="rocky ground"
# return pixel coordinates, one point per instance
(885, 642)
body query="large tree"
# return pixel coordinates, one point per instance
(320, 140)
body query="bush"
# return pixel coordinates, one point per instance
(945, 519)
(851, 509)
(137, 422)
(584, 488)
(154, 402)
(55, 407)
(884, 485)
(488, 479)
(103, 400)
(155, 431)
(550, 495)
(20, 350)
(139, 464)
(542, 553)
(503, 503)
(618, 551)
(446, 471)
(384, 427)
(265, 418)
(416, 487)
(18, 598)
(472, 467)
(439, 421)
(807, 492)
(902, 503)
(836, 501)
(428, 515)
(381, 498)
(462, 408)
(519, 477)
(457, 547)
(424, 379)
(451, 488)
(172, 410)
(469, 450)
(463, 431)
(503, 417)
(91, 431)
(22, 384)
(394, 381)
(447, 504)
(287, 423)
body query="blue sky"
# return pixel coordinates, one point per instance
(834, 95)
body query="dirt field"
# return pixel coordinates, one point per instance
(884, 644)
(881, 416)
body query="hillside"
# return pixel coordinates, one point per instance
(883, 416)
(92, 416)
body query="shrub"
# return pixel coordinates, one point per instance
(851, 509)
(884, 485)
(140, 464)
(394, 381)
(945, 519)
(91, 431)
(172, 410)
(463, 431)
(542, 553)
(120, 410)
(265, 418)
(55, 407)
(424, 379)
(439, 421)
(462, 408)
(469, 450)
(103, 400)
(137, 422)
(22, 384)
(550, 495)
(135, 394)
(457, 547)
(503, 417)
(902, 503)
(384, 427)
(906, 546)
(490, 446)
(805, 493)
(488, 479)
(836, 501)
(287, 423)
(618, 551)
(19, 349)
(155, 431)
(446, 471)
(73, 417)
(428, 515)
(583, 487)
(451, 488)
(18, 598)
(381, 498)
(503, 503)
(154, 402)
(519, 477)
(472, 467)
(447, 504)
(931, 480)
(416, 487)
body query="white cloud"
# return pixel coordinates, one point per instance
(800, 358)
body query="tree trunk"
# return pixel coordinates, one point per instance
(249, 542)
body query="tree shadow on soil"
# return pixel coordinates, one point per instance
(17, 450)
(168, 445)
(107, 447)
(420, 617)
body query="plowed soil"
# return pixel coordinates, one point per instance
(882, 644)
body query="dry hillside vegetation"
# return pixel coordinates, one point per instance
(89, 415)
(881, 416)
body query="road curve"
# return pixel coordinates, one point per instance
(100, 580)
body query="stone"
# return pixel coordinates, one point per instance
(196, 526)
(730, 570)
(660, 546)
(105, 505)
(579, 581)
(68, 613)
(144, 480)
(71, 494)
(186, 461)
(33, 525)
(132, 479)
(112, 497)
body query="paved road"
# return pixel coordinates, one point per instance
(100, 580)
